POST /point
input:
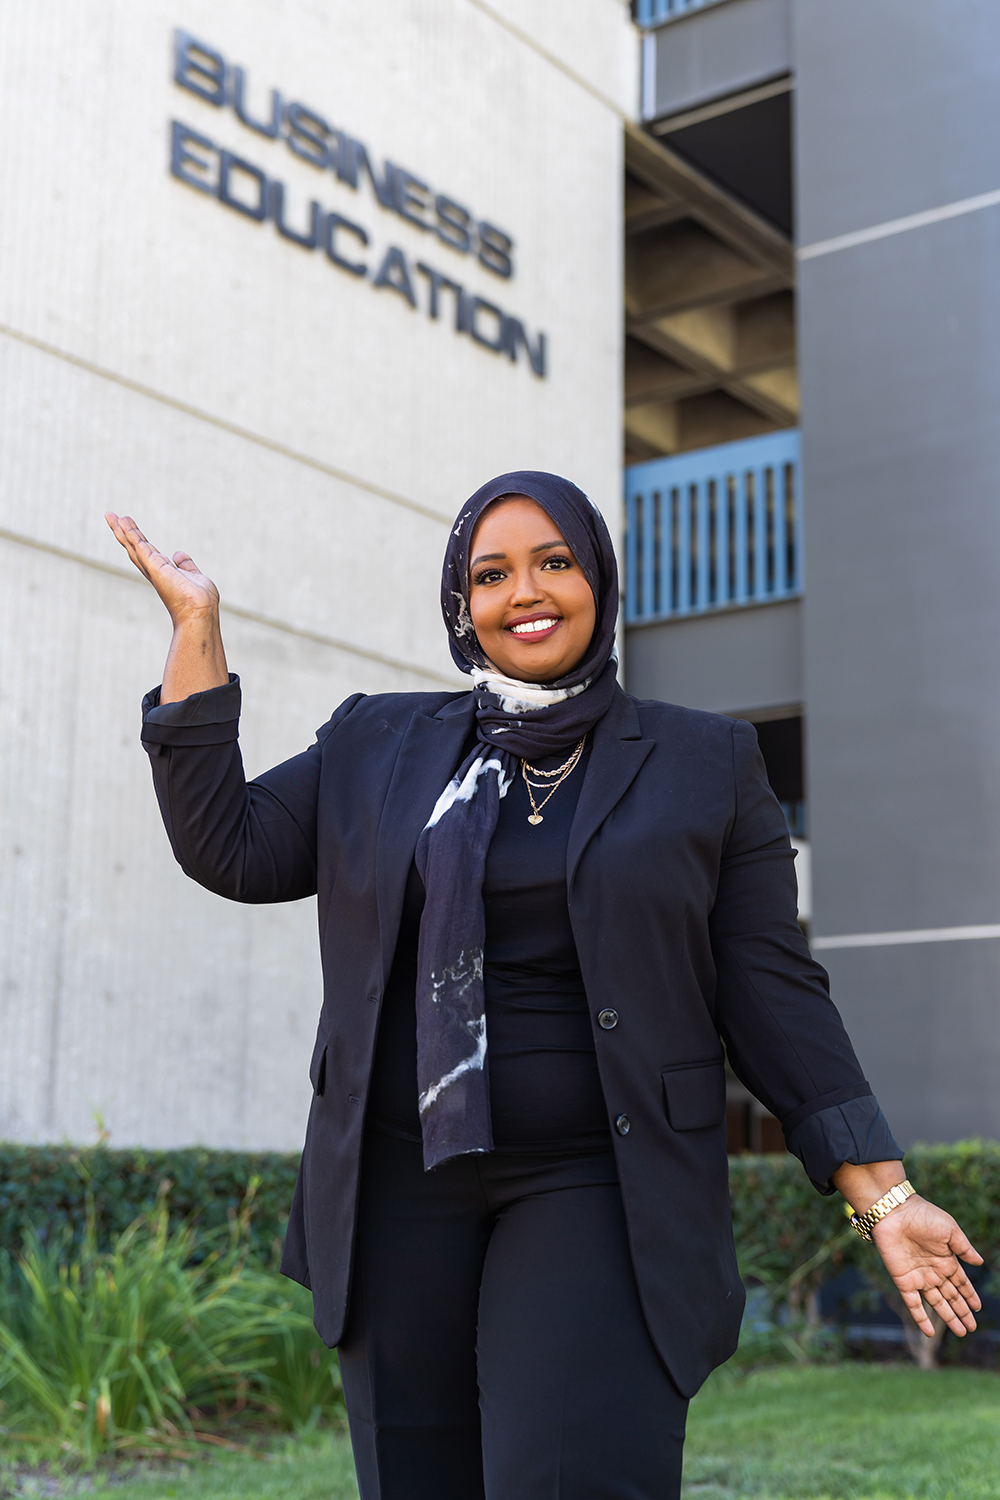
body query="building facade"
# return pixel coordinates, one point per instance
(833, 574)
(287, 286)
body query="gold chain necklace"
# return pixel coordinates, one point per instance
(561, 772)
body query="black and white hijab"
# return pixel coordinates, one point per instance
(514, 720)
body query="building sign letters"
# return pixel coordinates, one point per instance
(240, 185)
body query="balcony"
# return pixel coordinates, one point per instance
(715, 529)
(655, 12)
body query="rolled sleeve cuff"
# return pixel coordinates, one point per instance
(853, 1130)
(209, 718)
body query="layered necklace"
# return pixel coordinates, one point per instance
(550, 781)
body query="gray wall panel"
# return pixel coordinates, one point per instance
(900, 364)
(899, 108)
(717, 51)
(901, 458)
(726, 663)
(911, 1013)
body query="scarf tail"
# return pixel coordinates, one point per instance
(452, 1069)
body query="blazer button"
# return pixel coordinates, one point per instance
(607, 1019)
(622, 1125)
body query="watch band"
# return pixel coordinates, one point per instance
(865, 1223)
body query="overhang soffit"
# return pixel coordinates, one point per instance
(665, 174)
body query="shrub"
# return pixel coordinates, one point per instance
(102, 1351)
(48, 1188)
(790, 1239)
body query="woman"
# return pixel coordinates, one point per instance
(544, 907)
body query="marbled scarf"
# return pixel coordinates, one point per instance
(514, 720)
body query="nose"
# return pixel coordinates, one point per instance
(526, 590)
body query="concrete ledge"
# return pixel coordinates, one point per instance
(719, 50)
(733, 662)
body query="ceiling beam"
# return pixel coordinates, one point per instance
(773, 397)
(667, 124)
(667, 174)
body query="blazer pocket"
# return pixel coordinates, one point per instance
(317, 1068)
(695, 1094)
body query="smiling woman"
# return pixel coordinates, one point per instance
(546, 906)
(530, 602)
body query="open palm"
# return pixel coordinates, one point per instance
(921, 1246)
(185, 591)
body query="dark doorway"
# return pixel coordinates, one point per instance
(780, 743)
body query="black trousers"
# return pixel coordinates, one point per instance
(496, 1347)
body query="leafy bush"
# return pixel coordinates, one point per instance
(964, 1179)
(790, 1239)
(781, 1222)
(48, 1188)
(103, 1351)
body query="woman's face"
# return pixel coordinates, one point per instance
(532, 607)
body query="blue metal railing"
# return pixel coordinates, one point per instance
(655, 12)
(714, 528)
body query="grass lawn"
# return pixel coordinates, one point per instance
(319, 1467)
(838, 1432)
(846, 1432)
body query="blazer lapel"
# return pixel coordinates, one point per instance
(428, 757)
(616, 758)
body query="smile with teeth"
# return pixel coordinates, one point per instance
(529, 627)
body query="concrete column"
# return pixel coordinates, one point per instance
(898, 115)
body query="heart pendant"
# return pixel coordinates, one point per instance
(534, 817)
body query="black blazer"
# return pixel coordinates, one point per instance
(683, 905)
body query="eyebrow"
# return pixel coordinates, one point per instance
(499, 556)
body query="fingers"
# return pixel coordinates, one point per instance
(960, 1245)
(116, 526)
(953, 1304)
(125, 529)
(153, 565)
(918, 1313)
(128, 534)
(186, 562)
(962, 1283)
(959, 1305)
(951, 1307)
(135, 537)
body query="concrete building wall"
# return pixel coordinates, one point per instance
(710, 53)
(732, 662)
(305, 434)
(898, 108)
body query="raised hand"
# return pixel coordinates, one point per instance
(184, 590)
(196, 661)
(921, 1246)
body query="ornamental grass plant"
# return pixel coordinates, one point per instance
(157, 1344)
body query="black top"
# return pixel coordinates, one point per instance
(545, 1092)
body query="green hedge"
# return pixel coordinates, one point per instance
(49, 1187)
(786, 1230)
(787, 1234)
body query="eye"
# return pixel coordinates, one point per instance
(557, 564)
(488, 575)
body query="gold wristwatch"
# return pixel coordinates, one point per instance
(865, 1223)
